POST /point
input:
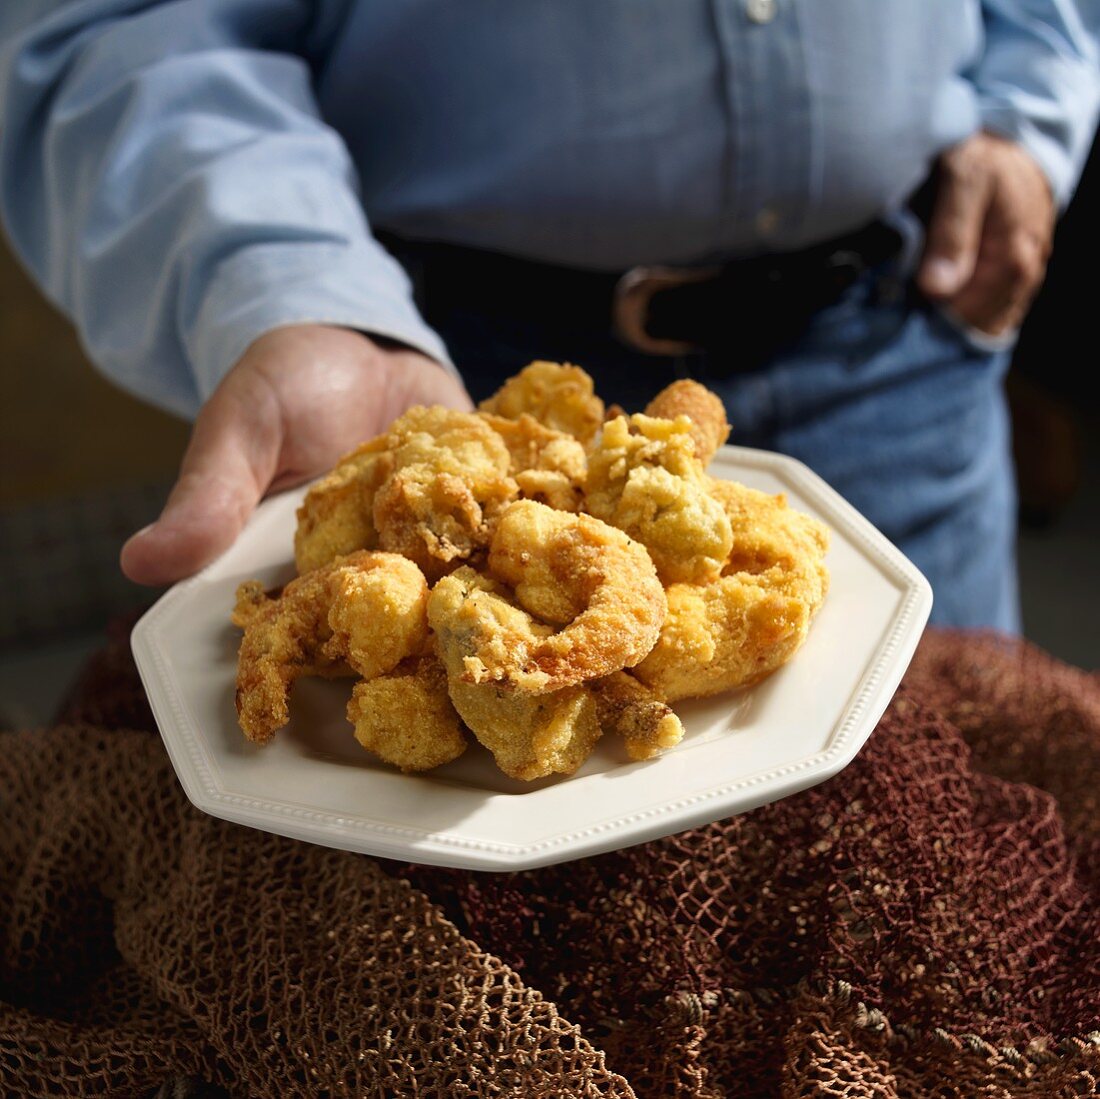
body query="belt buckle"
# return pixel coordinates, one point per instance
(630, 306)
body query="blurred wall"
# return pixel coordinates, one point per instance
(83, 465)
(64, 429)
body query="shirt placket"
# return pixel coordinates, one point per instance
(771, 144)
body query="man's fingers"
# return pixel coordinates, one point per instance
(1005, 281)
(229, 462)
(201, 520)
(955, 229)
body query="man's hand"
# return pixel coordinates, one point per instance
(296, 400)
(990, 233)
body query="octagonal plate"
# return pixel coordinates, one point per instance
(740, 750)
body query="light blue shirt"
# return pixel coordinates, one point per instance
(184, 175)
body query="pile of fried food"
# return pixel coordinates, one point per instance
(536, 573)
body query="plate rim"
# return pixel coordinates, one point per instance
(197, 774)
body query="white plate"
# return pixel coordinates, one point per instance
(740, 750)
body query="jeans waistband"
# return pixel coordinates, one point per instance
(743, 309)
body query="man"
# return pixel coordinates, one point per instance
(188, 181)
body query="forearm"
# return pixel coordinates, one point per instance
(165, 175)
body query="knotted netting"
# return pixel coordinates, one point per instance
(925, 924)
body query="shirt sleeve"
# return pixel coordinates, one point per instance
(1038, 81)
(166, 176)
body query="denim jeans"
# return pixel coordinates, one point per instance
(899, 410)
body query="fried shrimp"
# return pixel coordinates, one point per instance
(772, 538)
(737, 629)
(251, 598)
(577, 573)
(547, 465)
(530, 735)
(646, 723)
(709, 426)
(560, 396)
(405, 716)
(364, 612)
(472, 614)
(644, 478)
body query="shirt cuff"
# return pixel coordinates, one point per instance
(1051, 155)
(264, 286)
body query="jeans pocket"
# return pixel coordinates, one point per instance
(973, 340)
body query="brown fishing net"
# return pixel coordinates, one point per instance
(926, 924)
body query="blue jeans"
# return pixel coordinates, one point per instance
(900, 412)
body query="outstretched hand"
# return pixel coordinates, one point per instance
(298, 399)
(990, 233)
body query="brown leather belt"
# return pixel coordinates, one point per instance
(742, 307)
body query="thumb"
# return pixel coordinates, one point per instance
(954, 233)
(232, 456)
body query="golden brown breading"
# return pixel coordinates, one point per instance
(405, 716)
(426, 489)
(709, 426)
(548, 466)
(580, 574)
(530, 735)
(646, 722)
(450, 475)
(558, 395)
(378, 613)
(335, 517)
(571, 570)
(769, 536)
(734, 631)
(471, 613)
(644, 478)
(251, 598)
(366, 610)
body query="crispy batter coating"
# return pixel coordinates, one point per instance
(734, 631)
(548, 466)
(251, 598)
(558, 395)
(378, 613)
(530, 735)
(644, 478)
(582, 575)
(366, 611)
(335, 518)
(427, 489)
(771, 537)
(709, 426)
(475, 615)
(646, 722)
(405, 716)
(450, 475)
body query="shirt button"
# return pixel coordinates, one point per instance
(761, 11)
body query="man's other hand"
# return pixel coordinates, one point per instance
(298, 399)
(990, 233)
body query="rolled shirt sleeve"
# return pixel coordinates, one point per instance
(166, 176)
(1038, 81)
